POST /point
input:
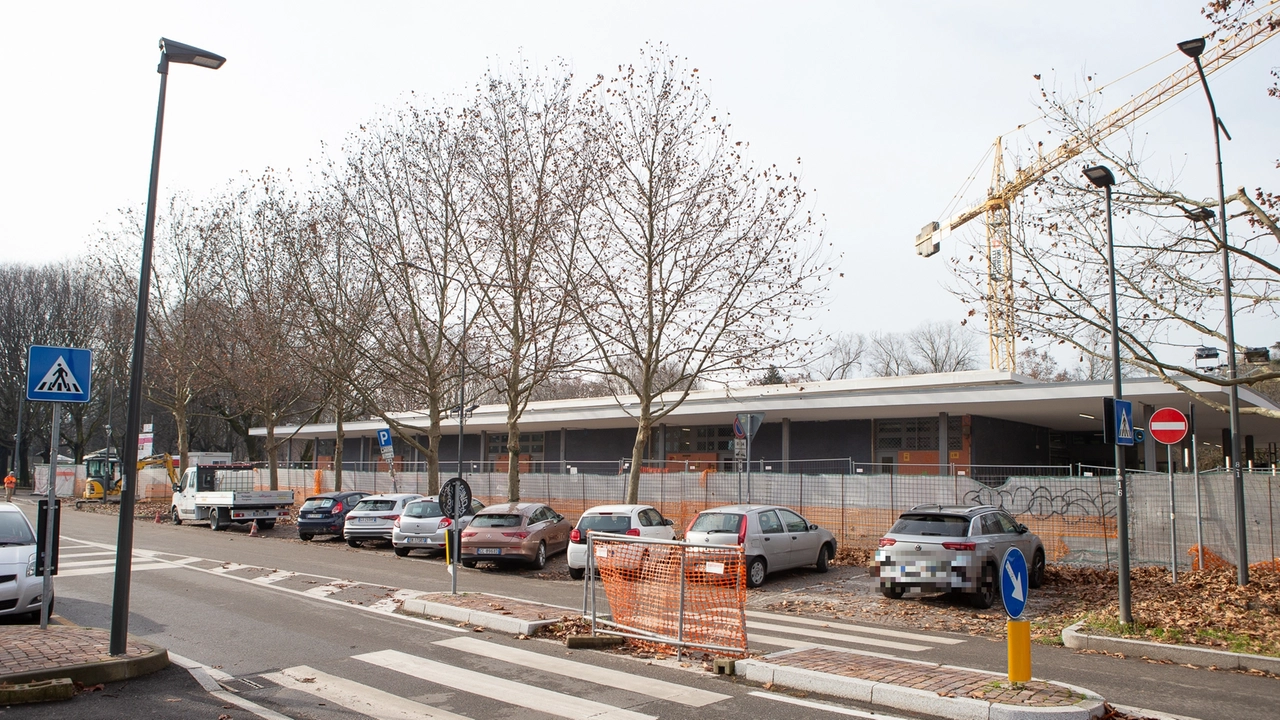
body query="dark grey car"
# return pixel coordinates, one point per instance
(945, 548)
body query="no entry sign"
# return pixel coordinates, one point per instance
(1168, 426)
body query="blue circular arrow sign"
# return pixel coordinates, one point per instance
(1013, 582)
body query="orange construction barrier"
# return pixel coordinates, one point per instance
(648, 597)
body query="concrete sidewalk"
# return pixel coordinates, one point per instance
(917, 686)
(33, 661)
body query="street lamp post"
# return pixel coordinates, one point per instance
(174, 52)
(1100, 176)
(1192, 49)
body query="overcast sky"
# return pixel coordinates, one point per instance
(890, 105)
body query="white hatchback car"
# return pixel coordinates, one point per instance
(422, 525)
(637, 520)
(20, 587)
(374, 517)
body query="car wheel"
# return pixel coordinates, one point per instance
(540, 560)
(577, 573)
(402, 552)
(216, 521)
(306, 537)
(174, 517)
(893, 592)
(468, 563)
(824, 559)
(985, 597)
(352, 542)
(264, 524)
(1036, 575)
(756, 570)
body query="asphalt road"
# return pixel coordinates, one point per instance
(265, 641)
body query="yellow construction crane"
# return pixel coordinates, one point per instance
(1001, 326)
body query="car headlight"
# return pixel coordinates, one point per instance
(31, 565)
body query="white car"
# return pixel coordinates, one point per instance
(637, 520)
(374, 517)
(20, 587)
(422, 525)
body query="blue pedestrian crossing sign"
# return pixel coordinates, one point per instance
(59, 374)
(1014, 582)
(1124, 423)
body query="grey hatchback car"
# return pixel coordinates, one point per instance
(952, 548)
(772, 537)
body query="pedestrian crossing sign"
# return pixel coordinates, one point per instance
(59, 374)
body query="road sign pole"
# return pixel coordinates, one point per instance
(1173, 528)
(47, 591)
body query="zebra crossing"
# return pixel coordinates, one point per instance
(81, 558)
(774, 630)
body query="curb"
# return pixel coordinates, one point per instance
(92, 673)
(487, 620)
(912, 699)
(1181, 654)
(39, 691)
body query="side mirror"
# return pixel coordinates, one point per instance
(668, 521)
(1022, 529)
(813, 526)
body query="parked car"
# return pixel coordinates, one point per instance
(422, 525)
(373, 518)
(20, 587)
(946, 548)
(773, 538)
(637, 520)
(527, 532)
(325, 513)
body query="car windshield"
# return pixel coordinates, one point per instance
(925, 524)
(317, 504)
(497, 520)
(424, 509)
(14, 530)
(605, 523)
(717, 522)
(375, 506)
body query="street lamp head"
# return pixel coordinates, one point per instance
(1100, 176)
(1192, 48)
(1202, 214)
(182, 53)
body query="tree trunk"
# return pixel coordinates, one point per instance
(433, 454)
(184, 439)
(337, 455)
(272, 466)
(513, 458)
(637, 455)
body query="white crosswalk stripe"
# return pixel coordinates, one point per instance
(501, 689)
(355, 696)
(810, 632)
(660, 689)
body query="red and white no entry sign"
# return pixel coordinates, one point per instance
(1168, 426)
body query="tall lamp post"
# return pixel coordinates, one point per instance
(170, 52)
(1192, 49)
(1100, 176)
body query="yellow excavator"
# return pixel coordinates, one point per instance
(102, 483)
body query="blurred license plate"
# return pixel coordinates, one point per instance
(419, 540)
(366, 521)
(313, 515)
(488, 551)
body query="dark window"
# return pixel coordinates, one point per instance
(795, 523)
(14, 530)
(926, 524)
(769, 523)
(376, 505)
(423, 509)
(497, 520)
(991, 524)
(318, 504)
(1007, 525)
(605, 523)
(716, 522)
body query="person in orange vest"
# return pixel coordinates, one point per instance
(10, 482)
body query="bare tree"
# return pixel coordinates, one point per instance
(697, 262)
(842, 357)
(933, 347)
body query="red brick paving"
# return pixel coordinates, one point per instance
(943, 681)
(27, 648)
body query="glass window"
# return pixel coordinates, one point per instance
(649, 518)
(605, 523)
(991, 524)
(318, 504)
(769, 523)
(423, 509)
(795, 523)
(1007, 525)
(497, 520)
(929, 524)
(376, 506)
(716, 522)
(476, 506)
(14, 530)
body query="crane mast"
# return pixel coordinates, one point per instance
(1003, 191)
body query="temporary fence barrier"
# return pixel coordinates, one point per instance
(707, 611)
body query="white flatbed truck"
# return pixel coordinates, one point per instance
(227, 493)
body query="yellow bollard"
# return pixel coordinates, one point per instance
(1019, 650)
(448, 559)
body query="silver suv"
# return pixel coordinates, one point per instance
(945, 548)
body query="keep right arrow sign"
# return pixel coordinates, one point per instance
(1169, 426)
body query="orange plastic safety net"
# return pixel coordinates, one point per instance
(688, 596)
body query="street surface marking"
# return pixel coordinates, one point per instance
(276, 576)
(324, 591)
(496, 688)
(188, 663)
(62, 563)
(65, 555)
(228, 567)
(111, 569)
(834, 636)
(823, 706)
(855, 628)
(660, 689)
(355, 696)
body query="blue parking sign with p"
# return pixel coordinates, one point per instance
(384, 437)
(59, 374)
